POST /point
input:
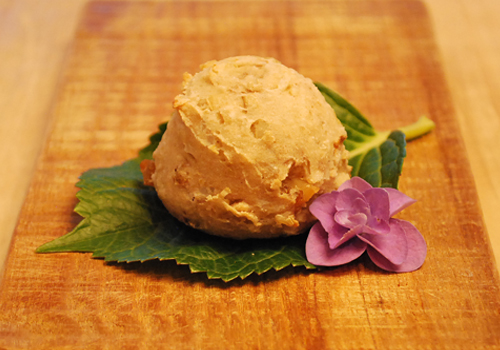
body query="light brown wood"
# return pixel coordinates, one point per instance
(34, 41)
(123, 71)
(467, 33)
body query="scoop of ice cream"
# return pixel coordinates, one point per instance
(250, 144)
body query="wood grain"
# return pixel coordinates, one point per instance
(34, 38)
(467, 36)
(125, 68)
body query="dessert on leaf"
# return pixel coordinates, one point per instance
(250, 146)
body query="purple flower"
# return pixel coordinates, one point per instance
(358, 217)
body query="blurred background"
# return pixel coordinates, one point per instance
(36, 35)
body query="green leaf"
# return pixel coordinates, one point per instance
(381, 165)
(126, 221)
(375, 156)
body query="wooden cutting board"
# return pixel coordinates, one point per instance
(125, 68)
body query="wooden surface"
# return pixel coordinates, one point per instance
(35, 37)
(122, 72)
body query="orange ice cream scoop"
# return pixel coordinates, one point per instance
(250, 144)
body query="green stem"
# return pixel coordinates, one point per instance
(417, 129)
(412, 131)
(373, 142)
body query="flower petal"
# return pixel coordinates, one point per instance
(393, 245)
(337, 234)
(352, 200)
(378, 227)
(417, 251)
(378, 200)
(398, 201)
(323, 208)
(357, 183)
(348, 235)
(347, 219)
(318, 252)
